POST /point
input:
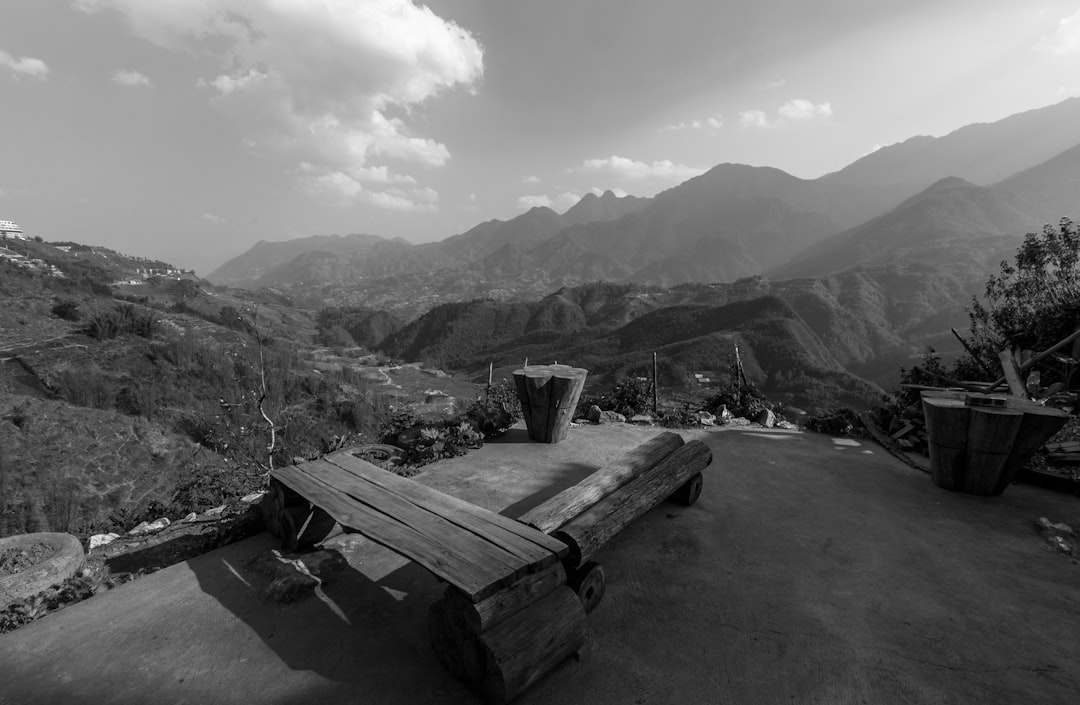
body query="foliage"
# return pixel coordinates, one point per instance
(836, 421)
(632, 395)
(681, 416)
(496, 410)
(425, 444)
(66, 309)
(121, 319)
(1034, 301)
(77, 588)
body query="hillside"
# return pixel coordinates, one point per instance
(263, 257)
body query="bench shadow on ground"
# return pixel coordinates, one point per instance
(360, 634)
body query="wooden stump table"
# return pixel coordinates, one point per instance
(548, 395)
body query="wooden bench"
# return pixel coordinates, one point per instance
(518, 591)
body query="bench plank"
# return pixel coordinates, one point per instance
(475, 579)
(477, 519)
(437, 529)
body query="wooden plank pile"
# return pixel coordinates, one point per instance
(518, 591)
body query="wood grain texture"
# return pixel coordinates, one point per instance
(946, 430)
(528, 543)
(481, 616)
(572, 501)
(991, 433)
(548, 396)
(520, 650)
(589, 531)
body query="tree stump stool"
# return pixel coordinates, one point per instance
(548, 395)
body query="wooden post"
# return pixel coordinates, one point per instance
(1012, 374)
(591, 529)
(574, 500)
(655, 384)
(548, 396)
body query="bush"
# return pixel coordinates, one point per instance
(66, 309)
(497, 410)
(122, 318)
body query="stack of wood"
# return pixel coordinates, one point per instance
(503, 642)
(1064, 453)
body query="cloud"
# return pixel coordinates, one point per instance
(801, 109)
(530, 179)
(754, 118)
(131, 79)
(794, 110)
(632, 169)
(619, 193)
(24, 65)
(713, 122)
(1066, 39)
(774, 84)
(525, 203)
(326, 84)
(212, 218)
(343, 189)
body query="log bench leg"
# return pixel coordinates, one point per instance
(688, 493)
(504, 644)
(589, 583)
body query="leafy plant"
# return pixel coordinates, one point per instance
(496, 410)
(67, 309)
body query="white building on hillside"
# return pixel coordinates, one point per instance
(11, 229)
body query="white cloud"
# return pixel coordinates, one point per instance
(525, 203)
(780, 83)
(802, 109)
(619, 193)
(530, 179)
(212, 218)
(754, 118)
(327, 84)
(24, 65)
(633, 169)
(565, 201)
(131, 79)
(1066, 39)
(713, 122)
(794, 110)
(343, 189)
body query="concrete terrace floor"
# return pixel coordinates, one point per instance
(812, 570)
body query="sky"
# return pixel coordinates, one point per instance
(188, 130)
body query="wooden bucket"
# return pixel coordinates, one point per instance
(947, 435)
(548, 395)
(992, 434)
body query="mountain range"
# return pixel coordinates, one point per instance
(873, 260)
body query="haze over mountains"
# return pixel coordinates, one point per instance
(862, 267)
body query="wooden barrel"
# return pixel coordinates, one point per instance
(947, 434)
(548, 396)
(991, 436)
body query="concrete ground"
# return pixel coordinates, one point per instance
(812, 570)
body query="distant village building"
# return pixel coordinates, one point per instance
(10, 229)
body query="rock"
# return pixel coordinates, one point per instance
(705, 418)
(739, 421)
(1061, 537)
(611, 417)
(595, 415)
(766, 418)
(149, 527)
(215, 511)
(102, 540)
(641, 419)
(725, 415)
(1044, 525)
(190, 517)
(786, 425)
(290, 588)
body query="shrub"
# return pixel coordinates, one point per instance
(122, 318)
(497, 410)
(66, 309)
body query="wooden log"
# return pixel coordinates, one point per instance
(689, 492)
(572, 501)
(991, 434)
(589, 583)
(479, 617)
(457, 649)
(1072, 338)
(548, 396)
(586, 533)
(1012, 374)
(946, 430)
(520, 650)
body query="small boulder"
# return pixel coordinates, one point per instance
(611, 417)
(766, 418)
(102, 540)
(786, 425)
(595, 415)
(705, 418)
(739, 421)
(641, 419)
(725, 415)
